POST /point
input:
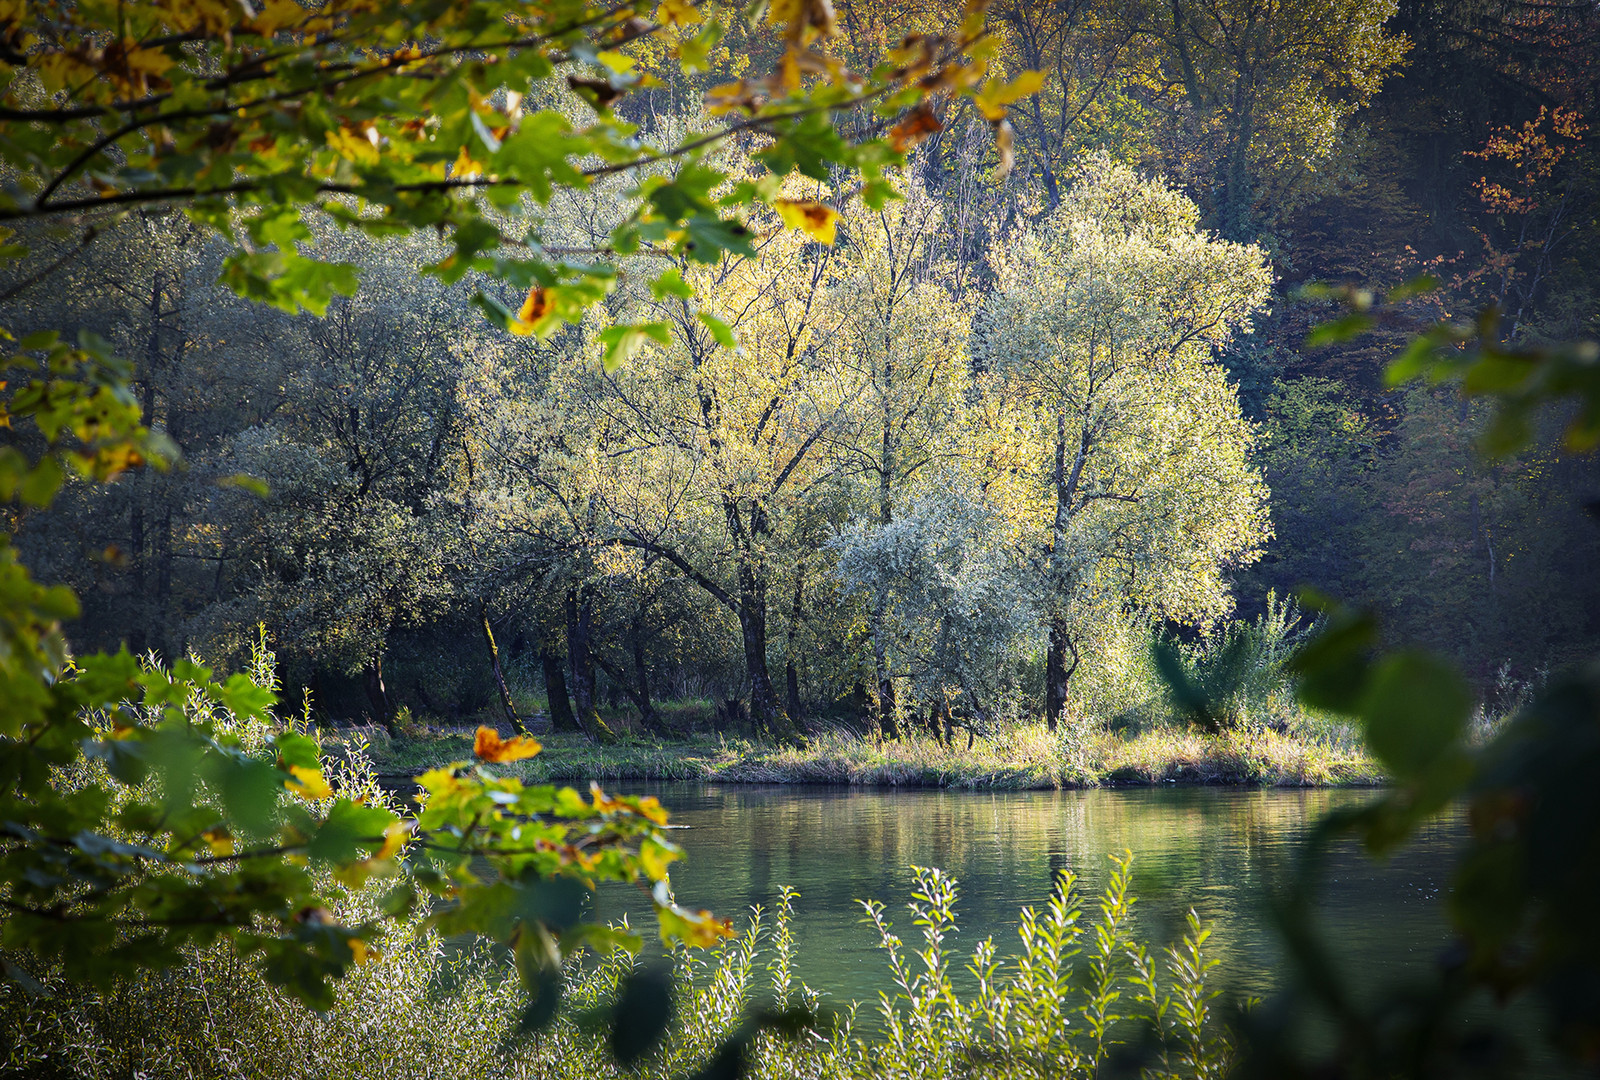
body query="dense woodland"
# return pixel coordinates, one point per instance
(983, 445)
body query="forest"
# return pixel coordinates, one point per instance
(900, 393)
(875, 479)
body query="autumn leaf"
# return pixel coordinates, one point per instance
(488, 746)
(654, 856)
(308, 783)
(996, 94)
(810, 217)
(534, 308)
(913, 128)
(394, 838)
(698, 929)
(678, 13)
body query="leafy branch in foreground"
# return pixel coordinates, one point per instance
(1522, 895)
(190, 817)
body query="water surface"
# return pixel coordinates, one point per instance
(1212, 849)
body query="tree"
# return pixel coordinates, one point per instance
(1131, 467)
(902, 338)
(949, 590)
(1266, 89)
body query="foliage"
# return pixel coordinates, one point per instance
(1010, 757)
(1521, 898)
(948, 580)
(1132, 479)
(1220, 679)
(1081, 989)
(194, 817)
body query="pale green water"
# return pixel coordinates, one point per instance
(1209, 848)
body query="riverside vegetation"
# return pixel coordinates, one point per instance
(1122, 726)
(1082, 993)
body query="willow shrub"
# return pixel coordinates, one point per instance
(1080, 992)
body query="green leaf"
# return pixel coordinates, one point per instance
(642, 1014)
(710, 237)
(296, 749)
(670, 283)
(253, 484)
(348, 829)
(245, 698)
(1341, 329)
(721, 331)
(1414, 711)
(621, 342)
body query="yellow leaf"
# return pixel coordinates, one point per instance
(394, 838)
(278, 14)
(489, 746)
(149, 61)
(654, 855)
(361, 951)
(810, 217)
(465, 167)
(996, 94)
(678, 13)
(439, 781)
(308, 783)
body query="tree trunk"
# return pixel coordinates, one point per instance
(378, 694)
(1057, 672)
(506, 704)
(648, 716)
(580, 623)
(888, 727)
(791, 673)
(163, 606)
(555, 688)
(766, 712)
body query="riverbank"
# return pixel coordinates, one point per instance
(1025, 758)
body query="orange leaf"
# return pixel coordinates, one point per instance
(534, 308)
(917, 125)
(489, 746)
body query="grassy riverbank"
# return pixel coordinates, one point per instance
(1024, 757)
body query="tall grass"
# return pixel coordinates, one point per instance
(1081, 989)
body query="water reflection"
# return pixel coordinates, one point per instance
(1208, 848)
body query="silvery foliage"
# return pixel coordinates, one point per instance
(954, 589)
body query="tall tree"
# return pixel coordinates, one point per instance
(1132, 473)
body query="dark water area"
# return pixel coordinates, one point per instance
(1210, 849)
